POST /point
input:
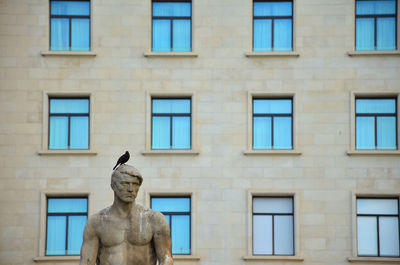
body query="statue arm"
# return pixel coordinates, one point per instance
(162, 240)
(90, 245)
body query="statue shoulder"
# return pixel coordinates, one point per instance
(95, 219)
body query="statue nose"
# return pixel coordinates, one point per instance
(130, 187)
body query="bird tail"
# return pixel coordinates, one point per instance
(115, 166)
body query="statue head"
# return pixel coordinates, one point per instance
(125, 182)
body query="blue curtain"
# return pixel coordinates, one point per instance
(386, 33)
(79, 8)
(378, 7)
(56, 226)
(76, 225)
(59, 34)
(67, 205)
(272, 106)
(262, 133)
(58, 133)
(58, 105)
(282, 35)
(79, 133)
(171, 9)
(282, 133)
(365, 133)
(166, 204)
(262, 37)
(171, 106)
(272, 8)
(161, 35)
(161, 133)
(376, 105)
(386, 133)
(181, 132)
(181, 35)
(180, 234)
(80, 34)
(365, 34)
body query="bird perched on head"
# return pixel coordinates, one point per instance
(122, 159)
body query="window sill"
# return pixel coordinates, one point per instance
(68, 53)
(374, 152)
(268, 54)
(274, 258)
(170, 54)
(186, 257)
(67, 152)
(374, 259)
(272, 152)
(170, 152)
(56, 258)
(369, 53)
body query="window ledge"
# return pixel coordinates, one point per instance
(374, 152)
(272, 152)
(170, 152)
(374, 259)
(266, 258)
(267, 54)
(68, 53)
(362, 53)
(170, 54)
(186, 257)
(56, 258)
(67, 152)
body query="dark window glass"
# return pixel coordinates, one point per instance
(177, 212)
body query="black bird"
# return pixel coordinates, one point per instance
(122, 159)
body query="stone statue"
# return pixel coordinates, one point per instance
(126, 233)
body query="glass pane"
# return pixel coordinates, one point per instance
(181, 35)
(282, 35)
(376, 7)
(180, 234)
(76, 224)
(171, 9)
(170, 204)
(58, 134)
(171, 106)
(389, 236)
(161, 133)
(377, 206)
(282, 133)
(272, 205)
(59, 34)
(283, 235)
(262, 235)
(181, 132)
(67, 205)
(386, 133)
(272, 106)
(262, 35)
(79, 133)
(69, 105)
(386, 33)
(376, 105)
(272, 8)
(56, 226)
(161, 35)
(365, 133)
(70, 8)
(367, 238)
(80, 34)
(168, 217)
(365, 29)
(262, 133)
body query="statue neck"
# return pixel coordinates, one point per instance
(121, 207)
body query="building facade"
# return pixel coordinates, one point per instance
(265, 131)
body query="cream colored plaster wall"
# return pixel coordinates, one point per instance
(119, 77)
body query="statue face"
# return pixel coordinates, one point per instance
(126, 188)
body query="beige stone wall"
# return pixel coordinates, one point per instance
(120, 78)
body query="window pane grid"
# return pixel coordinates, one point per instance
(373, 133)
(64, 38)
(62, 230)
(378, 248)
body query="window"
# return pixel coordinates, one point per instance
(376, 24)
(171, 123)
(69, 123)
(378, 227)
(66, 219)
(172, 26)
(272, 25)
(177, 212)
(70, 25)
(273, 226)
(376, 123)
(272, 123)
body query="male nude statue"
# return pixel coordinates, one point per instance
(126, 233)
